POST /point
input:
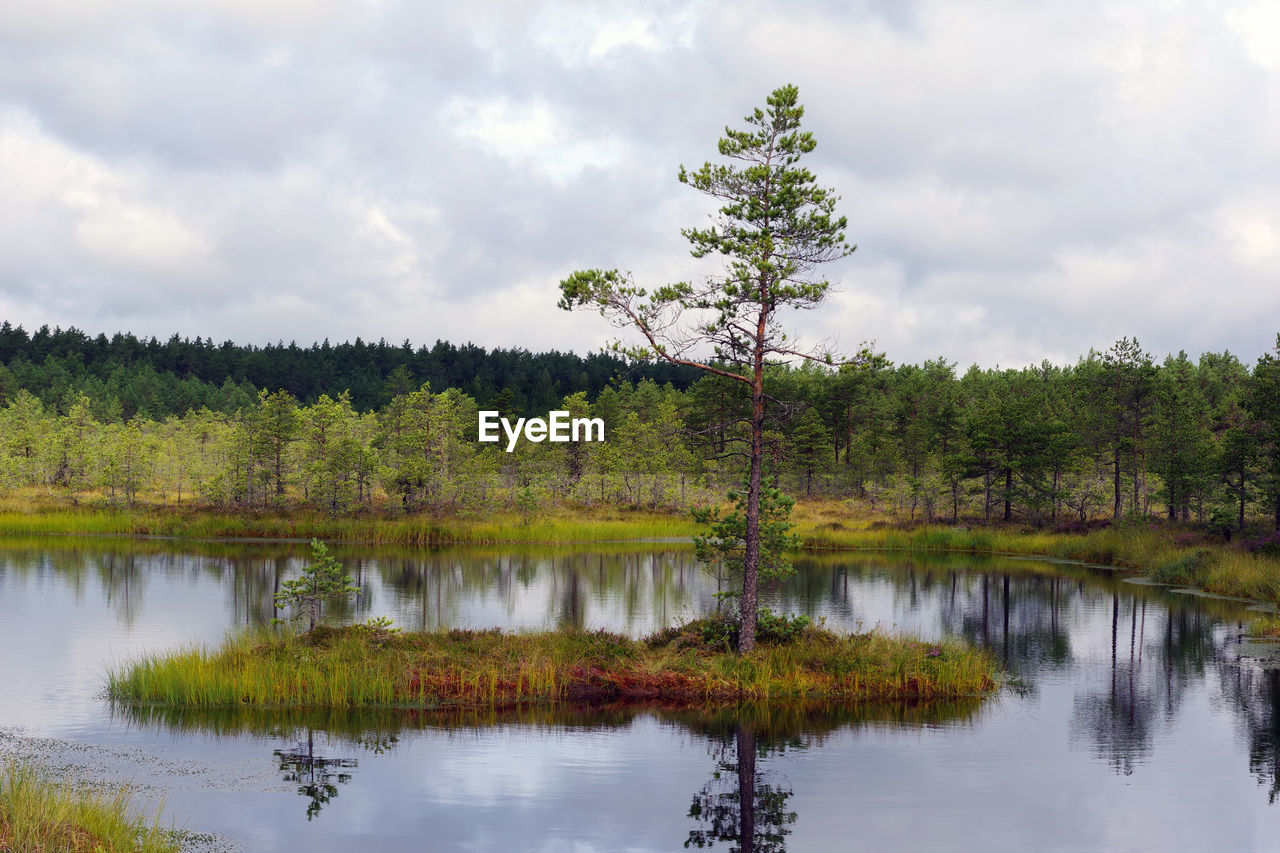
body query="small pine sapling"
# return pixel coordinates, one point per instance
(322, 580)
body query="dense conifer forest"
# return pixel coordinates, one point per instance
(123, 375)
(1119, 433)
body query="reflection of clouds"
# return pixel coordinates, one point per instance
(540, 788)
(519, 765)
(65, 624)
(1023, 770)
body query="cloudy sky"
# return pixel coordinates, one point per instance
(1024, 180)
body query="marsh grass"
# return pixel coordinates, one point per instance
(37, 815)
(1169, 555)
(416, 530)
(350, 668)
(1265, 628)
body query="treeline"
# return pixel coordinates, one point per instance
(123, 376)
(1118, 434)
(418, 452)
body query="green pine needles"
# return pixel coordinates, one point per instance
(321, 581)
(774, 228)
(723, 547)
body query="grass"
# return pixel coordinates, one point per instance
(1171, 554)
(38, 815)
(34, 515)
(356, 667)
(1265, 628)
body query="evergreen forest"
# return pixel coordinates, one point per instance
(353, 427)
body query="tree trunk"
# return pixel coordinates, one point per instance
(1053, 505)
(1241, 524)
(279, 470)
(986, 495)
(751, 557)
(1116, 480)
(1136, 467)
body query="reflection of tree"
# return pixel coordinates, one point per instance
(1028, 619)
(314, 774)
(633, 590)
(254, 583)
(740, 804)
(1020, 618)
(122, 580)
(1119, 718)
(1255, 694)
(739, 737)
(746, 805)
(567, 586)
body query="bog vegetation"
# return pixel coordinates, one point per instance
(370, 666)
(1118, 434)
(38, 814)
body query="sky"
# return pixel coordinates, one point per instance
(1023, 180)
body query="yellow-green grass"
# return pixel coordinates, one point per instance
(39, 815)
(1169, 554)
(374, 528)
(357, 667)
(1265, 628)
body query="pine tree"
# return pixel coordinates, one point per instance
(775, 226)
(322, 580)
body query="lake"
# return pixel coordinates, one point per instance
(1135, 718)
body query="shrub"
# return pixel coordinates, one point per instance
(719, 632)
(1186, 569)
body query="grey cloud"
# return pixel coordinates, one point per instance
(1023, 180)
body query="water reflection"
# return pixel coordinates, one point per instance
(746, 803)
(630, 590)
(742, 803)
(1254, 694)
(1123, 663)
(316, 776)
(1030, 617)
(1118, 718)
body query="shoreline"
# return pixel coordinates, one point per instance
(1175, 555)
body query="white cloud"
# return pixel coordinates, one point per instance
(531, 136)
(1257, 24)
(588, 33)
(76, 201)
(1023, 180)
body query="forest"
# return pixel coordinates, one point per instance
(123, 375)
(354, 427)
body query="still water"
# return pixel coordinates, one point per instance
(1136, 719)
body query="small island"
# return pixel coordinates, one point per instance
(369, 666)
